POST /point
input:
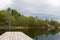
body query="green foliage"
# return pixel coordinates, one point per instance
(54, 23)
(3, 18)
(11, 17)
(15, 13)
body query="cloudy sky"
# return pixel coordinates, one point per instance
(45, 9)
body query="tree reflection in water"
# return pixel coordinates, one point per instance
(34, 32)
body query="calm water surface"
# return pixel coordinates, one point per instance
(38, 33)
(48, 37)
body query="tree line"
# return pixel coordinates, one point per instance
(11, 17)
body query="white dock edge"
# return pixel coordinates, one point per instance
(14, 36)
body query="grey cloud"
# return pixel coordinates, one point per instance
(36, 8)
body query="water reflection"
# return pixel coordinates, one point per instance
(38, 33)
(49, 37)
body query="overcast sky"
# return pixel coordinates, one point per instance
(45, 9)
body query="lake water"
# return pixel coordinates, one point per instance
(38, 33)
(48, 37)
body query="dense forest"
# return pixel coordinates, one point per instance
(33, 26)
(13, 18)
